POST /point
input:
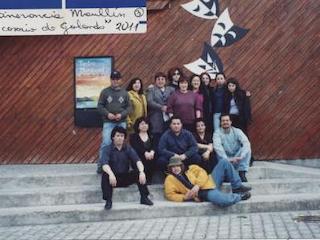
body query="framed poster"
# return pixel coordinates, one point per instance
(91, 75)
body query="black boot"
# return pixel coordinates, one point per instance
(242, 189)
(108, 205)
(144, 193)
(146, 201)
(245, 196)
(251, 161)
(242, 175)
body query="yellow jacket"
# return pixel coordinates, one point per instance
(139, 108)
(174, 190)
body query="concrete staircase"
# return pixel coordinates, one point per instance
(47, 194)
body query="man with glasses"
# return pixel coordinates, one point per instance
(114, 106)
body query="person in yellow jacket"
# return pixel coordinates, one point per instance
(138, 102)
(194, 184)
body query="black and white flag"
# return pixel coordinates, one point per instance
(224, 32)
(208, 62)
(208, 9)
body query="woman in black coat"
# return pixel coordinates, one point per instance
(237, 105)
(142, 142)
(206, 91)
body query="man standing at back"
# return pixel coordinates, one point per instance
(114, 106)
(232, 145)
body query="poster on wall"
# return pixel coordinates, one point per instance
(91, 75)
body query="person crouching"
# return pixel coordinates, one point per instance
(117, 158)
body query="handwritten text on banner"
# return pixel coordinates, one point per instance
(106, 17)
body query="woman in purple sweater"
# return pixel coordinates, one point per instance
(185, 104)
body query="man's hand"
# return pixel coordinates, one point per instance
(149, 155)
(118, 117)
(210, 148)
(183, 157)
(192, 193)
(195, 190)
(206, 155)
(152, 154)
(112, 180)
(111, 116)
(188, 195)
(142, 178)
(235, 159)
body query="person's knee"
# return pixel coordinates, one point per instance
(223, 163)
(195, 159)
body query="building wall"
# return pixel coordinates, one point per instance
(278, 61)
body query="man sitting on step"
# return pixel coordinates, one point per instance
(194, 184)
(231, 144)
(116, 160)
(179, 143)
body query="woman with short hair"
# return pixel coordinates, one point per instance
(138, 102)
(185, 104)
(142, 142)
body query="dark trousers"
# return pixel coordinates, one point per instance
(123, 180)
(209, 164)
(149, 168)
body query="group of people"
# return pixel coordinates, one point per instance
(195, 131)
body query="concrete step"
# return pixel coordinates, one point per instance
(50, 196)
(270, 170)
(37, 176)
(161, 209)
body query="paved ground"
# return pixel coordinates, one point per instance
(282, 225)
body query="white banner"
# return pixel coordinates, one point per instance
(72, 21)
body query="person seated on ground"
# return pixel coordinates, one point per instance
(179, 143)
(194, 184)
(232, 145)
(205, 145)
(116, 160)
(142, 143)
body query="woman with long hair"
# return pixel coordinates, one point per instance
(174, 74)
(218, 99)
(142, 142)
(206, 91)
(138, 102)
(237, 105)
(205, 145)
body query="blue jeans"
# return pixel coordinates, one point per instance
(106, 135)
(224, 171)
(216, 121)
(243, 164)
